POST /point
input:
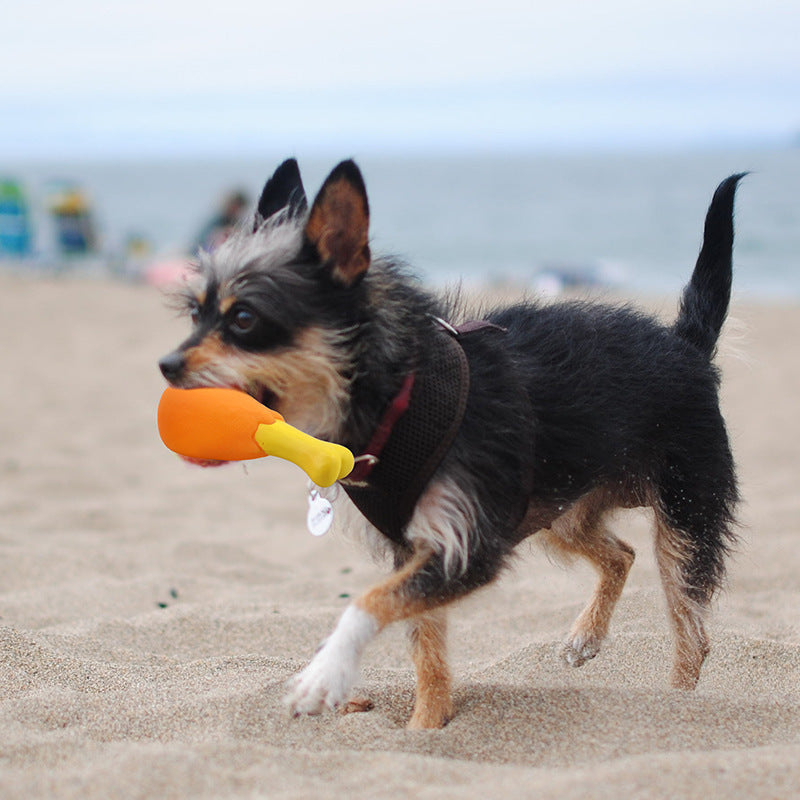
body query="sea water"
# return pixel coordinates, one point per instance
(631, 220)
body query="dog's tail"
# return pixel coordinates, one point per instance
(704, 304)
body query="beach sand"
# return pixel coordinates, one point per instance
(151, 612)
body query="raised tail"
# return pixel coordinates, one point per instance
(704, 304)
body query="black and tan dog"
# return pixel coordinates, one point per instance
(534, 418)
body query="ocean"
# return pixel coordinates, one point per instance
(630, 220)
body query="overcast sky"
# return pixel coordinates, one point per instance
(90, 77)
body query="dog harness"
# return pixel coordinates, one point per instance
(416, 432)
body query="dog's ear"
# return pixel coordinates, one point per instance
(284, 188)
(338, 225)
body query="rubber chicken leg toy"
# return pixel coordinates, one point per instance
(215, 424)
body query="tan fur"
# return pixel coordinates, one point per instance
(580, 531)
(226, 304)
(388, 601)
(211, 363)
(433, 707)
(339, 228)
(686, 617)
(208, 353)
(306, 378)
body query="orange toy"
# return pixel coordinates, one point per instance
(214, 424)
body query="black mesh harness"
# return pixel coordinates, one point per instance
(415, 434)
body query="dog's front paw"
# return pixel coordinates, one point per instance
(580, 648)
(325, 683)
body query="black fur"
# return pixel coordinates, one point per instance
(621, 401)
(705, 300)
(572, 401)
(283, 190)
(573, 397)
(614, 398)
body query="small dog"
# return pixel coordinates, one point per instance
(533, 419)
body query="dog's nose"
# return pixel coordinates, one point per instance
(172, 365)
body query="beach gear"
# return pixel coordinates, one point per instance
(70, 209)
(15, 227)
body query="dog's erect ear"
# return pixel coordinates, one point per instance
(284, 188)
(338, 225)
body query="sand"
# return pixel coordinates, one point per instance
(150, 612)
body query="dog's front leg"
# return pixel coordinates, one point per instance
(326, 682)
(433, 705)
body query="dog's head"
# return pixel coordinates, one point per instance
(273, 308)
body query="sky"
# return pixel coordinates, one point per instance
(90, 78)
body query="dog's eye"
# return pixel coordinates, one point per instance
(194, 313)
(246, 328)
(242, 321)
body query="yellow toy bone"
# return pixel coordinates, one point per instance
(323, 462)
(214, 424)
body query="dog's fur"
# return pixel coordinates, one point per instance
(576, 410)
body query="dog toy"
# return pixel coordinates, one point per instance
(214, 424)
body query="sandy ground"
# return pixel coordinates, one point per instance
(150, 613)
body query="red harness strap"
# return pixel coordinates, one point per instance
(369, 458)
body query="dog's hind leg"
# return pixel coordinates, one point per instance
(694, 496)
(686, 612)
(694, 520)
(581, 531)
(433, 706)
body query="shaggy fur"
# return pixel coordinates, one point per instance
(573, 410)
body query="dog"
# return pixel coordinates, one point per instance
(533, 419)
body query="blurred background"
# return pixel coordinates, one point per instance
(529, 143)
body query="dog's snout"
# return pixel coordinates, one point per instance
(172, 365)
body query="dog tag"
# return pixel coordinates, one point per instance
(320, 514)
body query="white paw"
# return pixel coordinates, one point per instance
(326, 682)
(319, 686)
(580, 649)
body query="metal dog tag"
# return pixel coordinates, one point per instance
(320, 514)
